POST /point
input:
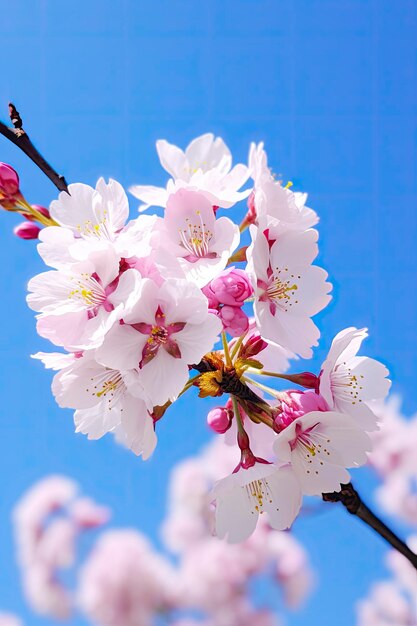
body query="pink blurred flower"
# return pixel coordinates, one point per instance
(46, 535)
(124, 582)
(7, 619)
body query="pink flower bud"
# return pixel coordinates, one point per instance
(305, 379)
(9, 181)
(39, 209)
(220, 419)
(296, 403)
(213, 303)
(235, 321)
(253, 346)
(231, 287)
(27, 230)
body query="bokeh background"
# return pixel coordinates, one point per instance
(330, 85)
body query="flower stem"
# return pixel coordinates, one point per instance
(352, 501)
(227, 356)
(269, 390)
(237, 345)
(189, 384)
(20, 138)
(239, 423)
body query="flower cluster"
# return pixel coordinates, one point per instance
(124, 581)
(137, 305)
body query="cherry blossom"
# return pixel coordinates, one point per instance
(103, 404)
(166, 328)
(47, 523)
(78, 306)
(284, 208)
(349, 382)
(139, 583)
(192, 234)
(206, 165)
(288, 289)
(320, 446)
(247, 493)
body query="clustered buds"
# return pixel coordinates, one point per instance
(9, 186)
(226, 295)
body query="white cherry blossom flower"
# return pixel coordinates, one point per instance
(348, 382)
(89, 218)
(191, 233)
(285, 208)
(206, 165)
(166, 328)
(79, 304)
(98, 213)
(248, 493)
(104, 404)
(288, 289)
(320, 446)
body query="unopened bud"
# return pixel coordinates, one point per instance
(235, 321)
(253, 346)
(9, 181)
(27, 230)
(40, 209)
(305, 379)
(219, 419)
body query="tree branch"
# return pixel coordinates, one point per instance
(19, 137)
(352, 501)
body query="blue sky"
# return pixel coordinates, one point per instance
(330, 86)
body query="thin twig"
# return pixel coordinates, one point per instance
(352, 501)
(20, 138)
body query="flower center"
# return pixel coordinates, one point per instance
(98, 230)
(108, 386)
(159, 334)
(195, 239)
(345, 385)
(312, 447)
(281, 289)
(258, 491)
(88, 290)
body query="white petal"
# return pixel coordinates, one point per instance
(285, 502)
(163, 377)
(122, 348)
(150, 195)
(235, 518)
(75, 208)
(171, 157)
(195, 341)
(114, 203)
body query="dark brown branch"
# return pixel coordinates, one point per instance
(352, 501)
(233, 385)
(19, 137)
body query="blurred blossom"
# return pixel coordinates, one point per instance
(47, 522)
(392, 602)
(7, 619)
(124, 582)
(394, 459)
